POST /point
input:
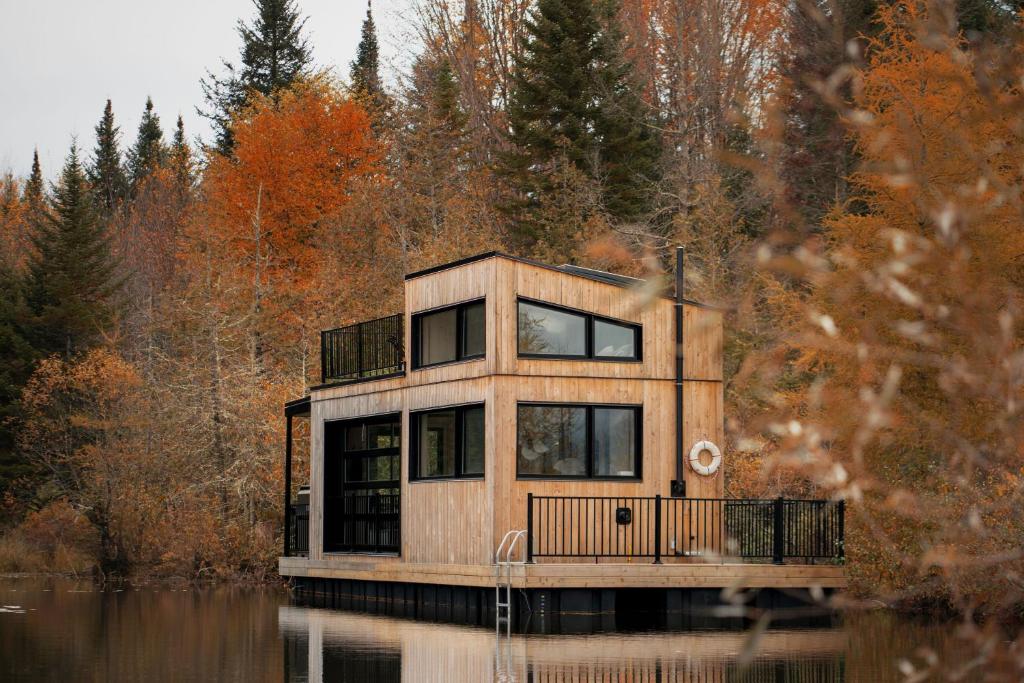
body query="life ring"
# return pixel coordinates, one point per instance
(698, 466)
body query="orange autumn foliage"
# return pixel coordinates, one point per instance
(903, 348)
(295, 160)
(268, 229)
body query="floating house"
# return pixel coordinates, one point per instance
(553, 429)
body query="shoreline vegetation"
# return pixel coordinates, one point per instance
(846, 178)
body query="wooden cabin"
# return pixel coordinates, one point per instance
(566, 419)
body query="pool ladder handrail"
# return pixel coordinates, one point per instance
(503, 608)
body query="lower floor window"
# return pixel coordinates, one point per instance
(449, 443)
(578, 441)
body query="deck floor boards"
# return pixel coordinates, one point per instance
(576, 575)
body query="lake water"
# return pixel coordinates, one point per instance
(63, 630)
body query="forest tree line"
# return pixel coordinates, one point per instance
(846, 176)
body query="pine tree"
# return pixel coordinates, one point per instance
(148, 153)
(106, 174)
(181, 162)
(72, 274)
(573, 99)
(275, 53)
(364, 73)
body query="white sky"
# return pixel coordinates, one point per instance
(61, 59)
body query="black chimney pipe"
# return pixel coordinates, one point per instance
(679, 483)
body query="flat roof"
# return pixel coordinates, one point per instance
(607, 278)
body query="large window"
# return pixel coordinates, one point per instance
(449, 443)
(578, 441)
(447, 335)
(554, 332)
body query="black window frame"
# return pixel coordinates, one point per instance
(460, 426)
(345, 453)
(638, 456)
(460, 333)
(590, 319)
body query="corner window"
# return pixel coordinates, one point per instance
(554, 332)
(578, 441)
(447, 335)
(449, 443)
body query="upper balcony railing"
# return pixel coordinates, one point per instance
(375, 348)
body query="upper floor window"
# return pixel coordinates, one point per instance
(558, 440)
(448, 334)
(555, 332)
(448, 443)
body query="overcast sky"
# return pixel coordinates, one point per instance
(61, 59)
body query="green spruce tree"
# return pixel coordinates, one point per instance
(574, 103)
(35, 194)
(72, 273)
(149, 152)
(17, 359)
(181, 162)
(364, 73)
(106, 175)
(275, 53)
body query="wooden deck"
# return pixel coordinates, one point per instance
(638, 574)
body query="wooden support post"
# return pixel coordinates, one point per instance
(287, 482)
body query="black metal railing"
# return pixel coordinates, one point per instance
(370, 522)
(658, 527)
(297, 528)
(374, 348)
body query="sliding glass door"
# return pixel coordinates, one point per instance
(361, 484)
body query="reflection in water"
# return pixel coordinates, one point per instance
(70, 631)
(325, 645)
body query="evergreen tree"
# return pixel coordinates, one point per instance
(71, 278)
(106, 174)
(274, 54)
(818, 155)
(148, 153)
(35, 193)
(365, 69)
(573, 99)
(17, 358)
(432, 146)
(181, 161)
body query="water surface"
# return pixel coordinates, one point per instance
(63, 630)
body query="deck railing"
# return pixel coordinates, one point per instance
(374, 348)
(297, 528)
(657, 527)
(370, 522)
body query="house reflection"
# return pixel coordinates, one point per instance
(325, 645)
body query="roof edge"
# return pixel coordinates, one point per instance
(547, 266)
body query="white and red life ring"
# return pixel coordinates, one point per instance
(697, 465)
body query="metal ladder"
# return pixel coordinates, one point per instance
(503, 579)
(503, 671)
